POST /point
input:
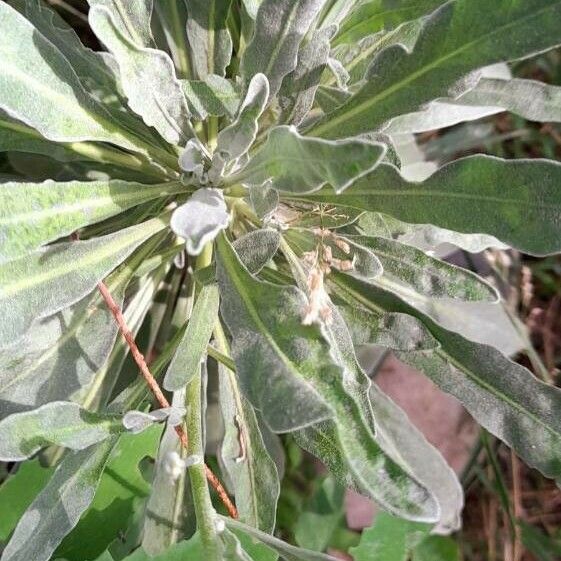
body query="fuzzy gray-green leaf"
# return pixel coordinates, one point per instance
(277, 358)
(300, 164)
(514, 406)
(30, 62)
(245, 458)
(214, 95)
(57, 509)
(236, 139)
(208, 36)
(199, 220)
(427, 275)
(459, 37)
(50, 279)
(192, 349)
(33, 214)
(525, 216)
(280, 26)
(131, 17)
(298, 89)
(148, 79)
(60, 422)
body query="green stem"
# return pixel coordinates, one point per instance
(206, 516)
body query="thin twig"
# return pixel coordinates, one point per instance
(156, 390)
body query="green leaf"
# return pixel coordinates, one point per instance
(401, 439)
(208, 36)
(33, 214)
(200, 219)
(57, 509)
(236, 139)
(131, 18)
(436, 548)
(298, 89)
(18, 491)
(276, 375)
(525, 216)
(502, 395)
(389, 539)
(32, 63)
(60, 422)
(53, 278)
(299, 164)
(412, 268)
(378, 15)
(285, 550)
(280, 27)
(213, 95)
(169, 515)
(459, 37)
(323, 513)
(245, 458)
(122, 490)
(192, 349)
(148, 79)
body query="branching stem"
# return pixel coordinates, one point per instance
(157, 392)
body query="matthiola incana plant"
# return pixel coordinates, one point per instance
(225, 174)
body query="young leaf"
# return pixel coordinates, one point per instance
(459, 37)
(298, 90)
(192, 349)
(148, 79)
(209, 36)
(279, 28)
(515, 406)
(300, 164)
(200, 219)
(33, 63)
(245, 458)
(59, 422)
(214, 96)
(38, 285)
(525, 216)
(57, 509)
(427, 275)
(276, 375)
(33, 214)
(236, 139)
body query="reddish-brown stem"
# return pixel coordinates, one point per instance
(156, 390)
